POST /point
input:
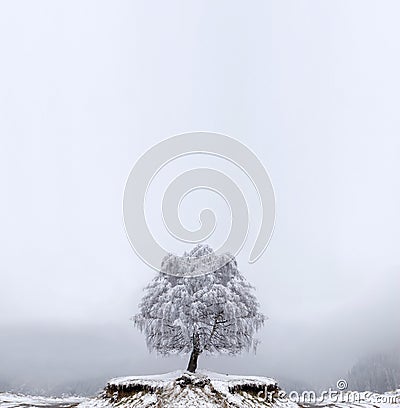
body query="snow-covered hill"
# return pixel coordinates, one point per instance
(183, 390)
(204, 389)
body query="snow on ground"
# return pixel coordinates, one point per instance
(8, 400)
(169, 378)
(181, 389)
(204, 389)
(354, 399)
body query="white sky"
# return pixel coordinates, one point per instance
(312, 87)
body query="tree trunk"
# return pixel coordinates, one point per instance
(192, 366)
(193, 361)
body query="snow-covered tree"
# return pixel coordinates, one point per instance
(378, 372)
(184, 312)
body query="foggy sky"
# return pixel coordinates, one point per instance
(87, 87)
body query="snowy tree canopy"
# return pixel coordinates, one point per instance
(379, 373)
(212, 313)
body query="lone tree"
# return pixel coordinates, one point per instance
(211, 313)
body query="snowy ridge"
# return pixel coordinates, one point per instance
(204, 389)
(184, 389)
(181, 389)
(168, 377)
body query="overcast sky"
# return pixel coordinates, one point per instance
(87, 87)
